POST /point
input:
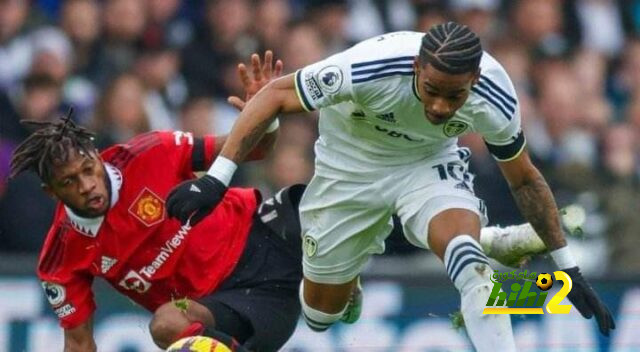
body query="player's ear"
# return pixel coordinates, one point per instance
(416, 65)
(476, 77)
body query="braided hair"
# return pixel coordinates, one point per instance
(50, 145)
(451, 48)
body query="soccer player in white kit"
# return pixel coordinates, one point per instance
(391, 109)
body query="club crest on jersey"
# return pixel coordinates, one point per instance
(310, 246)
(453, 128)
(55, 293)
(148, 208)
(330, 79)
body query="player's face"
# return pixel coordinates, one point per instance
(442, 94)
(81, 184)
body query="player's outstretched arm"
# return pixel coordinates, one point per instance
(80, 338)
(192, 200)
(253, 81)
(536, 202)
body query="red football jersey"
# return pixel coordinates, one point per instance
(135, 246)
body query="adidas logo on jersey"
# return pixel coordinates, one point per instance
(107, 263)
(195, 188)
(388, 117)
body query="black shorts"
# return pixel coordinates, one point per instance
(258, 303)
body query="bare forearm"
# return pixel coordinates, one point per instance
(248, 129)
(277, 97)
(537, 205)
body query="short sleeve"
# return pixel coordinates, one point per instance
(502, 133)
(65, 278)
(324, 83)
(71, 300)
(187, 152)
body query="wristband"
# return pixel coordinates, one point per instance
(563, 258)
(223, 170)
(273, 126)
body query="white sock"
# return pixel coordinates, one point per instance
(315, 319)
(468, 268)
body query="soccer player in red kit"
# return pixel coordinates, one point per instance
(238, 268)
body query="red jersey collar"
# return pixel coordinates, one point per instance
(90, 226)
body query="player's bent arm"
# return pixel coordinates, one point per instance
(80, 338)
(277, 97)
(534, 198)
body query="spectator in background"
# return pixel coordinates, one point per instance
(270, 24)
(120, 113)
(197, 116)
(223, 36)
(304, 46)
(39, 99)
(479, 15)
(627, 77)
(330, 19)
(51, 53)
(25, 212)
(80, 20)
(15, 48)
(619, 191)
(123, 22)
(601, 25)
(163, 17)
(538, 22)
(166, 90)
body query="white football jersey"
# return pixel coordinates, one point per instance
(371, 117)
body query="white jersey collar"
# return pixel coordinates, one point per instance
(90, 226)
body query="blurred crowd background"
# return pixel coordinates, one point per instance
(130, 66)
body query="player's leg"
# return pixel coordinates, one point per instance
(512, 245)
(262, 291)
(171, 323)
(438, 210)
(343, 223)
(453, 236)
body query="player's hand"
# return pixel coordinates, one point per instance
(194, 199)
(586, 300)
(262, 74)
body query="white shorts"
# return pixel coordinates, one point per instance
(344, 222)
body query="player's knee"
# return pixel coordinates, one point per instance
(167, 323)
(323, 305)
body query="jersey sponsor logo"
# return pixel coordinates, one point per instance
(65, 310)
(148, 208)
(330, 79)
(106, 263)
(453, 128)
(311, 84)
(133, 281)
(396, 134)
(310, 246)
(55, 293)
(166, 251)
(137, 280)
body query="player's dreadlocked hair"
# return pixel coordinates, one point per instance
(50, 145)
(452, 48)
